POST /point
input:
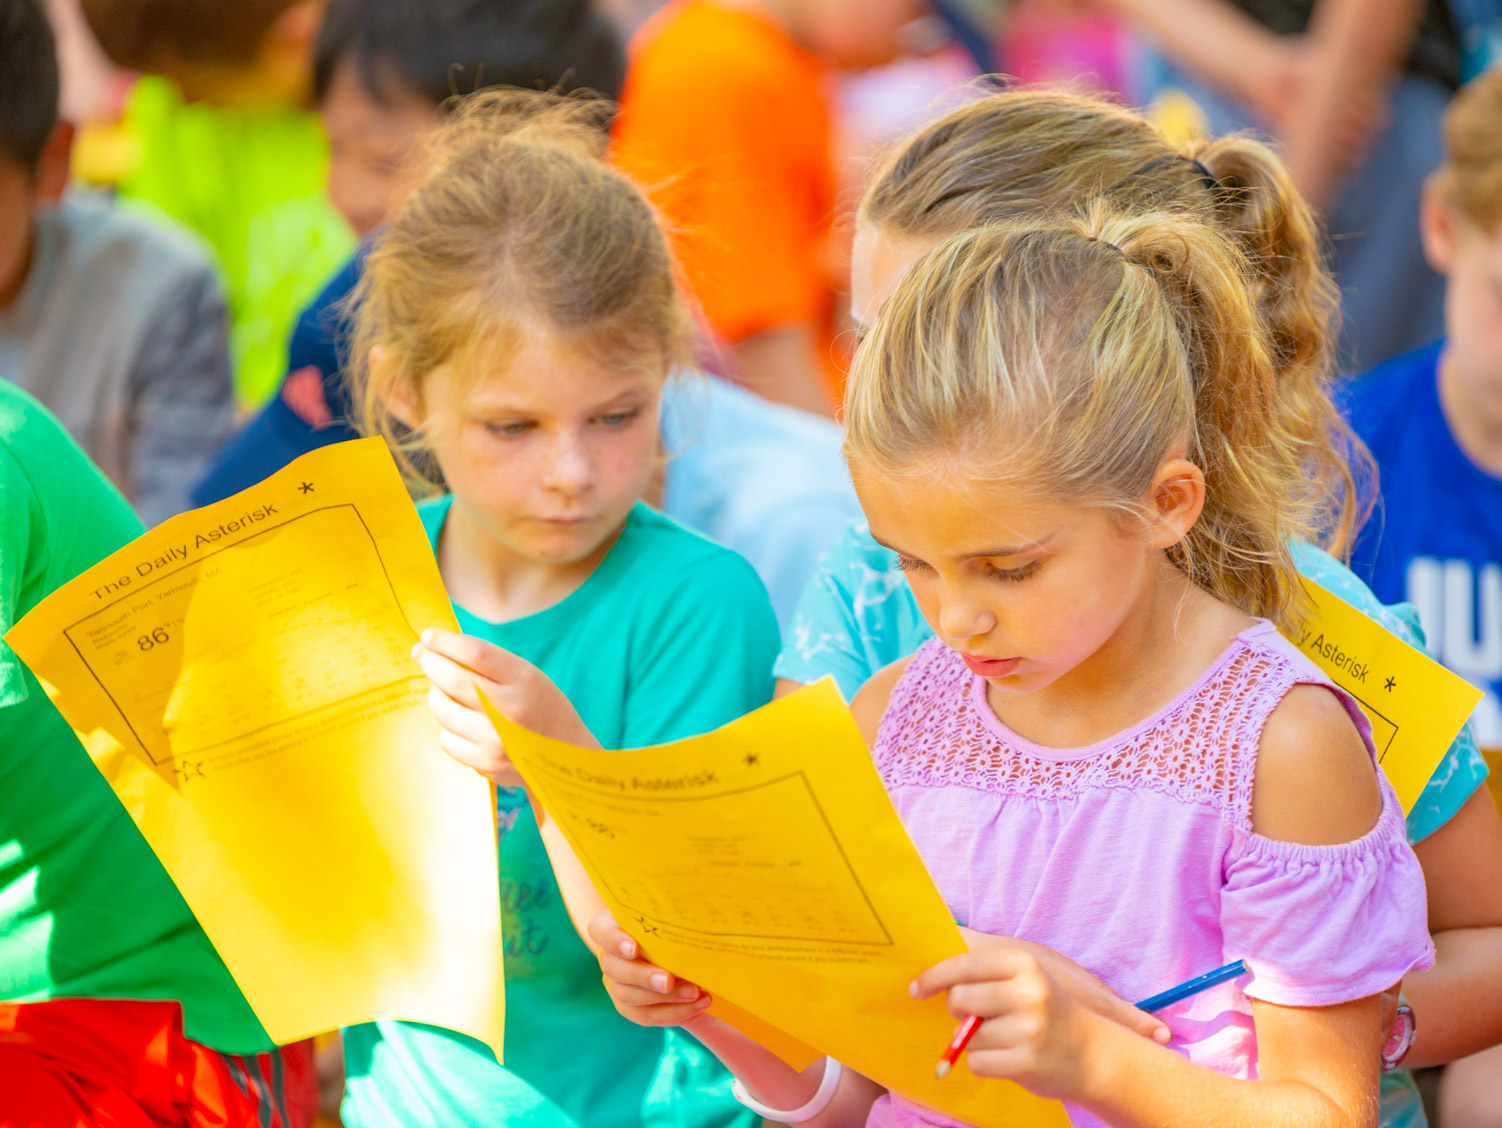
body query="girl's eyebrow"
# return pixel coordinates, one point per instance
(1006, 550)
(1009, 550)
(501, 407)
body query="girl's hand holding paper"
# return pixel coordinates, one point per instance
(645, 994)
(764, 861)
(457, 664)
(465, 671)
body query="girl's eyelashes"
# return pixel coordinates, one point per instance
(1012, 575)
(516, 428)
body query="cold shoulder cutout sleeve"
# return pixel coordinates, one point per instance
(1321, 925)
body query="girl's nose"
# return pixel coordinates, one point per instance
(570, 467)
(962, 619)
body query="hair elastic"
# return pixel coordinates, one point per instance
(1206, 175)
(816, 1104)
(1207, 178)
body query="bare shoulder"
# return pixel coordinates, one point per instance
(1315, 783)
(871, 700)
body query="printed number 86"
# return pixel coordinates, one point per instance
(146, 642)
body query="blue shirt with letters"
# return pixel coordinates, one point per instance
(1435, 539)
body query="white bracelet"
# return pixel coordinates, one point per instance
(816, 1104)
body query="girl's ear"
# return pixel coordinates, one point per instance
(397, 395)
(1175, 500)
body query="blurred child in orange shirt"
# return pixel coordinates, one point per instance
(726, 119)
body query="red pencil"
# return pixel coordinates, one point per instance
(957, 1044)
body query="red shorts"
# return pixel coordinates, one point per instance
(109, 1063)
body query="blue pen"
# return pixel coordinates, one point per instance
(1194, 986)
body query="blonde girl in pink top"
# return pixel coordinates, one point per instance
(1068, 430)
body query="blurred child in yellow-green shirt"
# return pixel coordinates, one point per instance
(219, 136)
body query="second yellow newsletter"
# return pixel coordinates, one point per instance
(765, 862)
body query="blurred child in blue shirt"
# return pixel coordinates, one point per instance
(1433, 420)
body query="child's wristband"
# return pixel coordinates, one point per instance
(816, 1104)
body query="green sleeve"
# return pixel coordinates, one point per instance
(20, 545)
(704, 656)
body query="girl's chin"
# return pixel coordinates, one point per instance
(562, 548)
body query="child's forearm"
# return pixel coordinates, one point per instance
(774, 1083)
(579, 895)
(1213, 39)
(1357, 46)
(1134, 1083)
(1458, 1002)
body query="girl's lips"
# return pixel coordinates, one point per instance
(990, 667)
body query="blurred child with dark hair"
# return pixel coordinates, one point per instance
(221, 140)
(765, 480)
(382, 69)
(115, 323)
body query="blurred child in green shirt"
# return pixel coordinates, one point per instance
(223, 140)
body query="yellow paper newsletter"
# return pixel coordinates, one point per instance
(242, 676)
(765, 862)
(1415, 705)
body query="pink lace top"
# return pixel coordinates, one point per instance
(1136, 856)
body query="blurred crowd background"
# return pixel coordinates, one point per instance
(240, 128)
(175, 239)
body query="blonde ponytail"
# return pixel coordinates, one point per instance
(1070, 355)
(1299, 306)
(1020, 153)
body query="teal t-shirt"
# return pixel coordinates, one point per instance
(670, 637)
(86, 910)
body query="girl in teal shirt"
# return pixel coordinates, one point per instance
(517, 323)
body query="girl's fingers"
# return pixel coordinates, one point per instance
(610, 937)
(488, 760)
(991, 998)
(1141, 1022)
(665, 1016)
(628, 996)
(971, 967)
(638, 973)
(1006, 1064)
(455, 680)
(467, 752)
(459, 719)
(484, 658)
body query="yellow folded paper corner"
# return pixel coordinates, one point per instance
(1416, 707)
(242, 676)
(765, 862)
